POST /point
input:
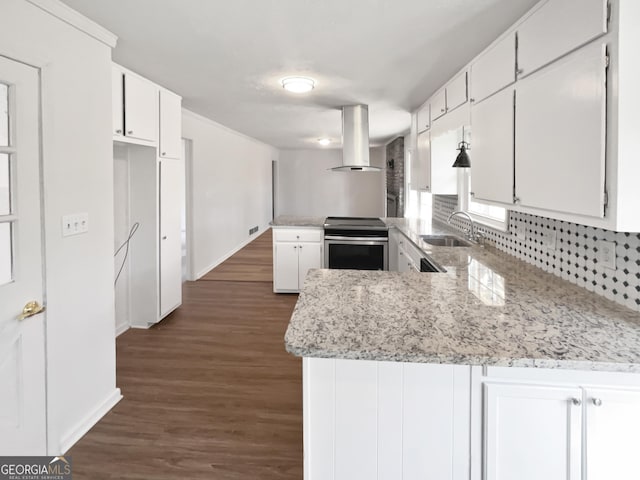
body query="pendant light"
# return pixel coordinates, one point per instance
(462, 160)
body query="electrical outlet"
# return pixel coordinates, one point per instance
(549, 238)
(520, 231)
(75, 224)
(253, 230)
(606, 254)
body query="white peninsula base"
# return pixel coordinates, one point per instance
(391, 420)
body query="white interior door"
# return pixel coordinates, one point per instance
(22, 360)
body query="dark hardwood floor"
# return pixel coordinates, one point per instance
(209, 393)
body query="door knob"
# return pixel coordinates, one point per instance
(30, 309)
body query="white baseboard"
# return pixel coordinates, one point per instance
(69, 440)
(120, 329)
(203, 272)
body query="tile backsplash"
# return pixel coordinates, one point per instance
(575, 255)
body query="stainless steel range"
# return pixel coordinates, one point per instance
(358, 243)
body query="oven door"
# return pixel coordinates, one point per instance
(358, 253)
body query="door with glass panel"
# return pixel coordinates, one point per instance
(22, 341)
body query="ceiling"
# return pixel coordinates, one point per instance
(226, 57)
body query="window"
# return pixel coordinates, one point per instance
(489, 215)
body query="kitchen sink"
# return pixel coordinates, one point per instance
(445, 241)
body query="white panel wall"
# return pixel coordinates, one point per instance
(78, 177)
(306, 186)
(229, 184)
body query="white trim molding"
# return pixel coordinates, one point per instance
(68, 440)
(77, 20)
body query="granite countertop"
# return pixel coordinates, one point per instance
(296, 221)
(488, 309)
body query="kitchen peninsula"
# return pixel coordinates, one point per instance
(404, 373)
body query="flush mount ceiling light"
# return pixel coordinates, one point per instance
(298, 84)
(324, 141)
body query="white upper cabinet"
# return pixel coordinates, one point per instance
(491, 152)
(457, 91)
(561, 133)
(494, 69)
(424, 117)
(438, 104)
(556, 28)
(141, 108)
(421, 171)
(117, 101)
(446, 134)
(170, 125)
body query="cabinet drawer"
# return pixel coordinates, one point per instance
(457, 91)
(494, 69)
(295, 235)
(557, 28)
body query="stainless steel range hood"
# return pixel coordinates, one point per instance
(355, 140)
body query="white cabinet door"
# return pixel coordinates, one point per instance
(612, 426)
(532, 432)
(171, 201)
(560, 135)
(117, 101)
(285, 262)
(557, 28)
(494, 69)
(141, 108)
(170, 125)
(404, 264)
(309, 256)
(424, 117)
(492, 148)
(457, 91)
(443, 153)
(438, 105)
(421, 171)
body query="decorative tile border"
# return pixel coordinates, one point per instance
(574, 258)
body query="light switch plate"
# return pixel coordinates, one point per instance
(75, 224)
(520, 231)
(549, 238)
(606, 254)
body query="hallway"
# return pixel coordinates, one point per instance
(210, 392)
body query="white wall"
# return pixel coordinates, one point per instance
(306, 186)
(229, 189)
(78, 177)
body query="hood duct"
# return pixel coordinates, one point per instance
(355, 140)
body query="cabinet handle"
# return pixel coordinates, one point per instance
(473, 194)
(597, 402)
(472, 100)
(516, 199)
(164, 154)
(119, 132)
(300, 247)
(129, 132)
(295, 246)
(576, 401)
(519, 71)
(164, 238)
(443, 110)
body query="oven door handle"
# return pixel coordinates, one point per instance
(356, 239)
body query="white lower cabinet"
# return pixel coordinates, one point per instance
(532, 432)
(557, 425)
(295, 252)
(612, 426)
(385, 420)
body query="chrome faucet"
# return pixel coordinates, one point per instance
(472, 233)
